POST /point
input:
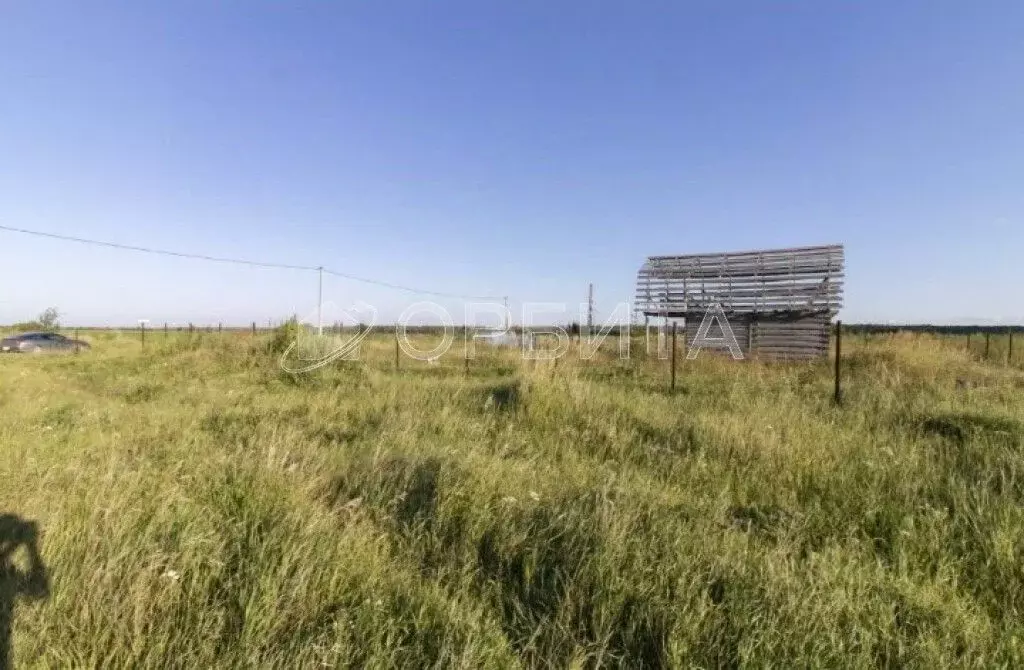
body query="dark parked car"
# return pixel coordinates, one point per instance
(35, 343)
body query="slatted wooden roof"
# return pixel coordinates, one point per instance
(801, 280)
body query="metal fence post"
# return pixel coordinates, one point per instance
(839, 357)
(673, 383)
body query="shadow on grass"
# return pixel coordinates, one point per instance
(535, 563)
(30, 582)
(504, 396)
(404, 487)
(959, 428)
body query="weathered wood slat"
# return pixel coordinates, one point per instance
(779, 302)
(697, 309)
(801, 279)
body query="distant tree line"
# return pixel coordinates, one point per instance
(928, 328)
(48, 319)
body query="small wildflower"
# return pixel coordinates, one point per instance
(172, 575)
(534, 496)
(509, 500)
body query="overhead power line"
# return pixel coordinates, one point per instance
(242, 261)
(399, 287)
(163, 252)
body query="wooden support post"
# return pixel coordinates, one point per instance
(220, 326)
(968, 342)
(673, 383)
(1009, 354)
(142, 333)
(78, 347)
(467, 363)
(165, 330)
(397, 350)
(839, 357)
(254, 329)
(987, 335)
(190, 328)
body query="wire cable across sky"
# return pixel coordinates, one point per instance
(251, 263)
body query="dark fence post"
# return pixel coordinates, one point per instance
(220, 327)
(839, 357)
(254, 328)
(190, 328)
(165, 330)
(673, 383)
(1009, 354)
(968, 342)
(987, 334)
(396, 351)
(142, 333)
(467, 363)
(78, 347)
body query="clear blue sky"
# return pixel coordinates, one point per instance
(522, 148)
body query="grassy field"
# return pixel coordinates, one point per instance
(199, 508)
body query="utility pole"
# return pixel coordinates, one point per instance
(320, 303)
(590, 310)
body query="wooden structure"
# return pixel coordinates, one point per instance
(779, 302)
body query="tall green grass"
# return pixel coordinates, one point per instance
(200, 508)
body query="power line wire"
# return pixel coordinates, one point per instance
(242, 261)
(399, 287)
(164, 252)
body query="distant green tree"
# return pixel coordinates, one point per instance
(49, 319)
(284, 336)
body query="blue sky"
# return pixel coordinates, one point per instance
(510, 148)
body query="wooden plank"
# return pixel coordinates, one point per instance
(762, 253)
